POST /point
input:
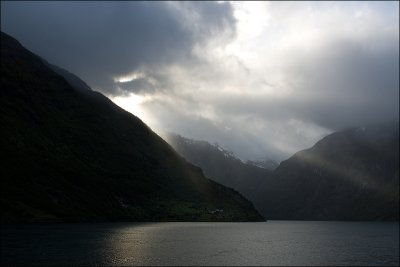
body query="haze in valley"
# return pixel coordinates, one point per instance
(263, 79)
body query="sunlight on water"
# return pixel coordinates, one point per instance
(267, 243)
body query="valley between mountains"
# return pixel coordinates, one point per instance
(69, 154)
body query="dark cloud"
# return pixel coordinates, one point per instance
(248, 136)
(343, 85)
(349, 84)
(264, 79)
(101, 40)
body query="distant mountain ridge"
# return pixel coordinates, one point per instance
(348, 175)
(221, 165)
(265, 164)
(69, 154)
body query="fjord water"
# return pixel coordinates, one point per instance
(187, 243)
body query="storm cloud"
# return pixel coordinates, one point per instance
(263, 79)
(101, 41)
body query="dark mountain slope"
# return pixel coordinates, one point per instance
(73, 80)
(72, 155)
(349, 175)
(221, 165)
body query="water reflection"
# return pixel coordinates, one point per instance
(129, 244)
(62, 244)
(271, 243)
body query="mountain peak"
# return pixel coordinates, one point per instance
(72, 155)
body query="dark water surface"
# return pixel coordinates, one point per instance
(266, 243)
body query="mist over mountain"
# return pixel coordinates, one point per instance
(348, 175)
(262, 78)
(199, 133)
(265, 164)
(221, 165)
(70, 154)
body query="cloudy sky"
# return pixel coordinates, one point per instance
(263, 79)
